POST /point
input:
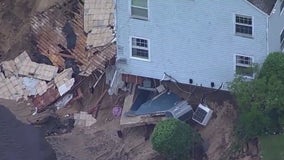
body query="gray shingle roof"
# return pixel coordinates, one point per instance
(264, 5)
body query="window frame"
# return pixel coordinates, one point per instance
(243, 65)
(243, 24)
(139, 17)
(148, 48)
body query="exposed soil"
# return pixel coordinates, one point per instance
(101, 141)
(15, 16)
(14, 27)
(218, 134)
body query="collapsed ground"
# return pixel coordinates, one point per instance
(101, 141)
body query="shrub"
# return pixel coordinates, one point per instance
(174, 139)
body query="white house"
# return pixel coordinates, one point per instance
(204, 43)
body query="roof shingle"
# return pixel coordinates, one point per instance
(264, 5)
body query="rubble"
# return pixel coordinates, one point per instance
(9, 68)
(98, 22)
(34, 86)
(12, 88)
(24, 66)
(61, 37)
(73, 52)
(50, 96)
(45, 72)
(64, 81)
(64, 101)
(84, 119)
(22, 78)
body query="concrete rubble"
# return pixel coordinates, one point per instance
(84, 119)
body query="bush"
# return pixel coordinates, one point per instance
(174, 139)
(261, 101)
(251, 124)
(273, 66)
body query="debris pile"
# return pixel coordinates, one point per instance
(72, 52)
(61, 37)
(84, 119)
(22, 78)
(99, 22)
(64, 81)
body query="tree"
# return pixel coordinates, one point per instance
(273, 66)
(251, 124)
(174, 139)
(261, 101)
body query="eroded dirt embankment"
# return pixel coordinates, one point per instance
(15, 25)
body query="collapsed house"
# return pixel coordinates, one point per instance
(78, 41)
(63, 34)
(22, 78)
(63, 37)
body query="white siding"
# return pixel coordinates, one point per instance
(276, 24)
(190, 39)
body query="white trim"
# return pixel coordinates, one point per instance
(138, 17)
(235, 65)
(243, 34)
(267, 36)
(137, 58)
(281, 11)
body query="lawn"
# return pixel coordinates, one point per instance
(272, 147)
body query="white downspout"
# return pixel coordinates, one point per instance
(267, 35)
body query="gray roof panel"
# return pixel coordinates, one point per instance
(264, 5)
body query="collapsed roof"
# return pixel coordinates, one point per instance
(59, 35)
(99, 21)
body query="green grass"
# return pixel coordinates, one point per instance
(272, 147)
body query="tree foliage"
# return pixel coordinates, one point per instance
(251, 124)
(273, 66)
(261, 101)
(174, 139)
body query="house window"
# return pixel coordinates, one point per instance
(140, 48)
(281, 6)
(282, 39)
(139, 9)
(243, 25)
(244, 66)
